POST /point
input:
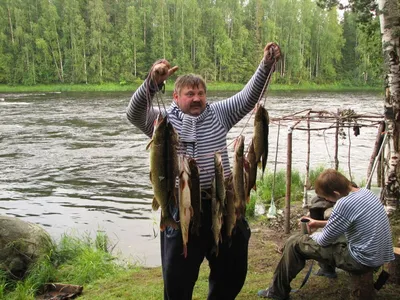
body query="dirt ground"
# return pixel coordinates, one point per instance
(266, 242)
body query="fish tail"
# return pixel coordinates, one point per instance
(184, 250)
(168, 221)
(155, 205)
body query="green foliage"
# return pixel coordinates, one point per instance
(266, 190)
(251, 206)
(314, 173)
(94, 41)
(3, 284)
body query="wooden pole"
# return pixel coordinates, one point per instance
(394, 267)
(337, 143)
(288, 179)
(362, 286)
(307, 179)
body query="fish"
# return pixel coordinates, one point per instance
(266, 134)
(239, 177)
(185, 205)
(160, 174)
(195, 196)
(230, 216)
(251, 170)
(219, 178)
(260, 137)
(172, 162)
(216, 216)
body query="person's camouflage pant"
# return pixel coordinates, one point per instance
(298, 249)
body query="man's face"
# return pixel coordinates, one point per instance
(191, 100)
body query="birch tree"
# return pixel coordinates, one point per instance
(98, 40)
(49, 23)
(389, 17)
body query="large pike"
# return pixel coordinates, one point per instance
(163, 169)
(260, 138)
(239, 177)
(195, 195)
(185, 206)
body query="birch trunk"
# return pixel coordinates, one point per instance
(390, 26)
(378, 144)
(10, 23)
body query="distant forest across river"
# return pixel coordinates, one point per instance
(117, 41)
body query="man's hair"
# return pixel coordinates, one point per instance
(192, 80)
(330, 181)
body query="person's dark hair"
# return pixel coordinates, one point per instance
(192, 80)
(330, 181)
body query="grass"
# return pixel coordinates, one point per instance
(73, 260)
(211, 86)
(267, 189)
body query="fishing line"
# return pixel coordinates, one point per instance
(272, 209)
(266, 84)
(151, 81)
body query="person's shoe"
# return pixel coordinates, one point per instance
(267, 294)
(327, 274)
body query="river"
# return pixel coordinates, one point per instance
(72, 163)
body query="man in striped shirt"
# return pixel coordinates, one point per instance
(202, 129)
(358, 214)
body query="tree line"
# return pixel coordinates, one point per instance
(96, 41)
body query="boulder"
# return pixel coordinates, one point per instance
(21, 244)
(320, 208)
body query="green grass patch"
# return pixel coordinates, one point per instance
(73, 260)
(267, 189)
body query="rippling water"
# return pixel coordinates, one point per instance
(72, 163)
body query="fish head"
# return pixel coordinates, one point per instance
(173, 135)
(239, 145)
(217, 159)
(259, 112)
(193, 166)
(160, 126)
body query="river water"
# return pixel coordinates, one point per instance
(72, 163)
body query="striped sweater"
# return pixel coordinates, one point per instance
(200, 136)
(361, 217)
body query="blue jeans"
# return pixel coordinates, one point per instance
(228, 270)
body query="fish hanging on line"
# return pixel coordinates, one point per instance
(164, 169)
(185, 205)
(260, 137)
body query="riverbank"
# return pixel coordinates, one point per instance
(88, 264)
(264, 253)
(212, 86)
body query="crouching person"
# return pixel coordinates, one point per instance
(358, 214)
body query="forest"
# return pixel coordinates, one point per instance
(100, 41)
